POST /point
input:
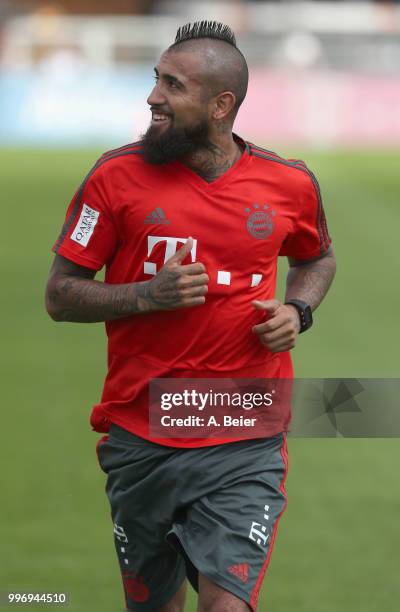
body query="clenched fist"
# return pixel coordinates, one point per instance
(279, 332)
(176, 285)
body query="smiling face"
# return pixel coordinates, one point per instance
(180, 108)
(180, 91)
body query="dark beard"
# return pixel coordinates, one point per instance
(174, 143)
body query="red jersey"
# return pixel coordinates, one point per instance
(131, 217)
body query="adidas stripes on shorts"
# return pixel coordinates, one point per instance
(177, 512)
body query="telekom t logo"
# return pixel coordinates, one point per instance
(170, 249)
(258, 530)
(172, 245)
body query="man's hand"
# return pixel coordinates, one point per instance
(177, 285)
(279, 332)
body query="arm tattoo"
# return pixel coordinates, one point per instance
(162, 291)
(310, 281)
(73, 295)
(83, 300)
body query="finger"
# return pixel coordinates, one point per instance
(260, 329)
(281, 347)
(270, 306)
(278, 344)
(274, 340)
(194, 281)
(194, 268)
(270, 325)
(181, 253)
(285, 333)
(195, 301)
(194, 291)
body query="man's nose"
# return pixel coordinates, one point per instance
(156, 96)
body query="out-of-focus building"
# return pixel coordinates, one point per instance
(322, 73)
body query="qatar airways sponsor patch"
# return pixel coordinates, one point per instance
(85, 227)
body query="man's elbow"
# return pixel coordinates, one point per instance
(52, 310)
(52, 303)
(331, 261)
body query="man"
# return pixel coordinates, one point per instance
(189, 223)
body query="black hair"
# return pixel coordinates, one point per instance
(236, 78)
(205, 29)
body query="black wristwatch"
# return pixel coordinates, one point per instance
(305, 314)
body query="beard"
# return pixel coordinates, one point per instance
(174, 142)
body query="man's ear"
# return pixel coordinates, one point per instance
(223, 105)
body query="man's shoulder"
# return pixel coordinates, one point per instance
(124, 154)
(294, 168)
(110, 162)
(121, 157)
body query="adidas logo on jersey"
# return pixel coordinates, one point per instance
(156, 217)
(241, 571)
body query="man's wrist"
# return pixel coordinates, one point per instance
(304, 313)
(296, 316)
(143, 300)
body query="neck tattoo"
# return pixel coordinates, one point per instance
(213, 162)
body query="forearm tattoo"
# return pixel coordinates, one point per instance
(310, 281)
(84, 300)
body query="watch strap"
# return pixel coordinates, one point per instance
(305, 313)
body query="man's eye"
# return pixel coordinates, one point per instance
(172, 84)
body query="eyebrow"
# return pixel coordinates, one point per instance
(169, 77)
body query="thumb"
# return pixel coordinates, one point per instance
(181, 253)
(270, 306)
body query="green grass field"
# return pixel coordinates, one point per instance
(337, 548)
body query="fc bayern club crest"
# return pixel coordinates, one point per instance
(260, 223)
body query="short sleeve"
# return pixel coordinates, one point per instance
(88, 236)
(308, 237)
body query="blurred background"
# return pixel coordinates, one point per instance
(325, 87)
(322, 73)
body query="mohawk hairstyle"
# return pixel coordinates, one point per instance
(205, 29)
(230, 69)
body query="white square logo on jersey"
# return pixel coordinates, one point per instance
(85, 226)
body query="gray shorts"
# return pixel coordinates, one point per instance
(177, 512)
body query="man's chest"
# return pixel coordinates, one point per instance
(237, 232)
